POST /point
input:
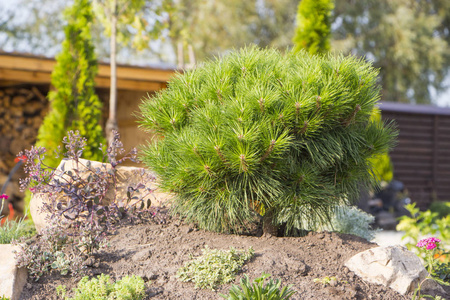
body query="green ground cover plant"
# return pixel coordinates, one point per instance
(214, 267)
(101, 288)
(14, 230)
(261, 135)
(258, 290)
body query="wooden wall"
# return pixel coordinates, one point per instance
(422, 157)
(127, 106)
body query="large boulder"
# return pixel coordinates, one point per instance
(126, 177)
(393, 267)
(12, 278)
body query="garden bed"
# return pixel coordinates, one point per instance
(156, 251)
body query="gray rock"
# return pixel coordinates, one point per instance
(12, 279)
(393, 267)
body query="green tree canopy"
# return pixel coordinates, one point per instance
(407, 40)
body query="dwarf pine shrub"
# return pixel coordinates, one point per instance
(258, 133)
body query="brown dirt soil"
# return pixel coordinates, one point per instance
(156, 251)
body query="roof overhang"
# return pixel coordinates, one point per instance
(16, 69)
(413, 108)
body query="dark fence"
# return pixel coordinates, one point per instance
(422, 157)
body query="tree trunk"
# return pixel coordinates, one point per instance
(180, 55)
(268, 228)
(111, 124)
(191, 57)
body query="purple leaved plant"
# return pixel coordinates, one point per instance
(82, 201)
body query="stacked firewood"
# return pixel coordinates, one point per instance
(22, 110)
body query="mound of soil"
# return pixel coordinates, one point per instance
(156, 251)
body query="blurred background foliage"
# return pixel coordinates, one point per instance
(407, 39)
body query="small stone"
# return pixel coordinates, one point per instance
(333, 282)
(302, 269)
(142, 255)
(152, 276)
(89, 262)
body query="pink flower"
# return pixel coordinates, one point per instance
(431, 246)
(4, 196)
(433, 240)
(429, 243)
(421, 243)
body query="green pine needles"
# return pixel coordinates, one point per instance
(74, 104)
(313, 26)
(261, 134)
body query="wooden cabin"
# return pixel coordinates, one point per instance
(421, 158)
(25, 81)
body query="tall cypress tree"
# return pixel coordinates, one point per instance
(313, 26)
(73, 102)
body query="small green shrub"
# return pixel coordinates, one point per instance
(257, 133)
(441, 208)
(15, 230)
(214, 267)
(350, 220)
(421, 224)
(101, 288)
(442, 271)
(258, 291)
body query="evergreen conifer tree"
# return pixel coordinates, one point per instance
(73, 102)
(288, 138)
(313, 26)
